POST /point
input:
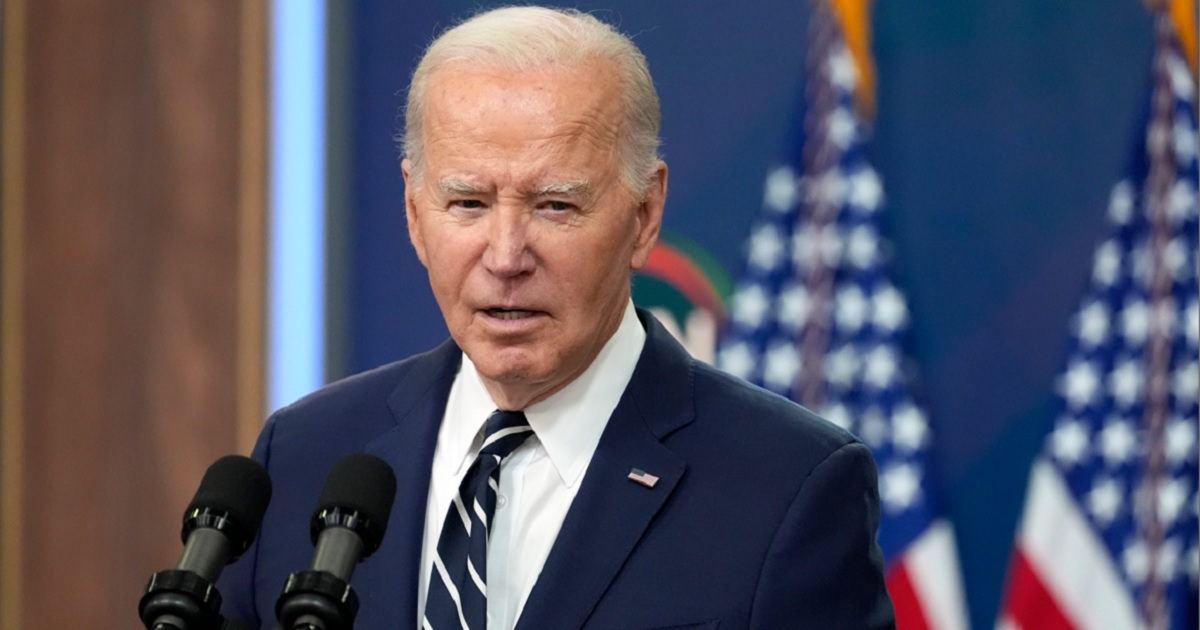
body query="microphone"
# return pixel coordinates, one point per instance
(346, 527)
(218, 526)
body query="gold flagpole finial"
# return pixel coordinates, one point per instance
(1183, 17)
(854, 17)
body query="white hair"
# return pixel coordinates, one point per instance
(527, 38)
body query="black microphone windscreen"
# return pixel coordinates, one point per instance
(238, 486)
(361, 483)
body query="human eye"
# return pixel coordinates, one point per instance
(560, 211)
(561, 200)
(468, 204)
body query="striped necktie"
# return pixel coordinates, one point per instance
(458, 585)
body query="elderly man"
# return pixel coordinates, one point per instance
(562, 462)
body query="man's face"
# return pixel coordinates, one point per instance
(519, 215)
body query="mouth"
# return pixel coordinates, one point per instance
(509, 314)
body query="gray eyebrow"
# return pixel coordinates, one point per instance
(455, 186)
(573, 187)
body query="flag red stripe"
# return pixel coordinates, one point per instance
(910, 615)
(1029, 602)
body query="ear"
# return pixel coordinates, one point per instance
(649, 216)
(411, 184)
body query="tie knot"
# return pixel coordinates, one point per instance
(505, 431)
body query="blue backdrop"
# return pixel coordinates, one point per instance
(1002, 126)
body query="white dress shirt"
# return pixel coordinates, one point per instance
(539, 480)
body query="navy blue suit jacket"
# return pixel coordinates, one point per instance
(764, 515)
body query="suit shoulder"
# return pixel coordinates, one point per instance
(367, 394)
(754, 411)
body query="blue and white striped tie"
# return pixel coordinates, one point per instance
(458, 585)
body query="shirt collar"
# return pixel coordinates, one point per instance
(570, 422)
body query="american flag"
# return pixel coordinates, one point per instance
(643, 477)
(816, 318)
(1108, 536)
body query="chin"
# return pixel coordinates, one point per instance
(509, 365)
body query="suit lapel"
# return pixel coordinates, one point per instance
(612, 512)
(418, 404)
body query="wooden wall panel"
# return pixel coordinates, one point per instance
(139, 294)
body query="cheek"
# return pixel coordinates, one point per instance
(594, 275)
(449, 264)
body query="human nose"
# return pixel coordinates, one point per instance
(507, 252)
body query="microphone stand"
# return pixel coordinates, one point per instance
(180, 600)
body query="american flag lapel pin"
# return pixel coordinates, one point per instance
(643, 477)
